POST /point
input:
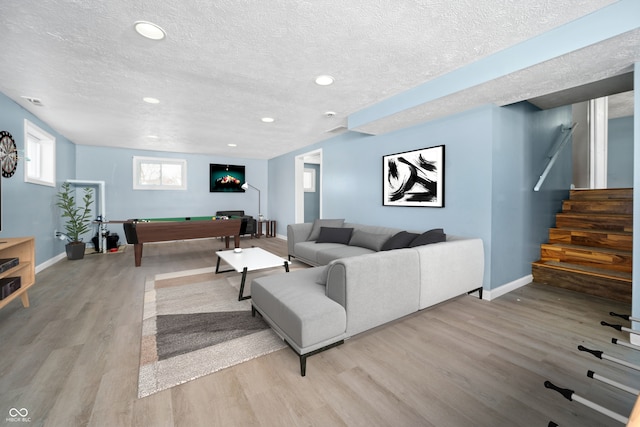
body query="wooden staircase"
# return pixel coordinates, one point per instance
(589, 251)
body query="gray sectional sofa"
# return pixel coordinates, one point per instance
(359, 283)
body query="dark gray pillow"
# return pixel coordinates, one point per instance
(368, 240)
(315, 229)
(399, 241)
(334, 235)
(432, 236)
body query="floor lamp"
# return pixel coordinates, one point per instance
(245, 186)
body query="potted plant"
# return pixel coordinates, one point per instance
(77, 219)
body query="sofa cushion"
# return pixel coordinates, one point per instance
(326, 255)
(368, 240)
(299, 307)
(309, 250)
(432, 236)
(315, 229)
(399, 241)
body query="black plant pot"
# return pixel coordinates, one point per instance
(75, 250)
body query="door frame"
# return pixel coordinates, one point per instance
(299, 180)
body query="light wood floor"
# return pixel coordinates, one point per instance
(72, 359)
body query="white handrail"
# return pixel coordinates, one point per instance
(556, 153)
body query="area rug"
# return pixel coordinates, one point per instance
(193, 325)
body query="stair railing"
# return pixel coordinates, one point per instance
(564, 137)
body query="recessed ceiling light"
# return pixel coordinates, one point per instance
(149, 30)
(152, 136)
(324, 80)
(151, 100)
(268, 119)
(329, 114)
(232, 145)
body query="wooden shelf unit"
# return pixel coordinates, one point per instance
(22, 248)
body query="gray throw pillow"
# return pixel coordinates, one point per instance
(367, 240)
(324, 273)
(399, 241)
(432, 236)
(334, 235)
(315, 229)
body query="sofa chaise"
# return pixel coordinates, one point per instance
(354, 288)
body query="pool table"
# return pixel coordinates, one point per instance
(140, 231)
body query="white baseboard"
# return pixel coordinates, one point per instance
(50, 262)
(506, 288)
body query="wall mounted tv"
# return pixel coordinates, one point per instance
(226, 178)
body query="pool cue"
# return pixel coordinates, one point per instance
(601, 355)
(620, 328)
(572, 396)
(625, 316)
(615, 384)
(625, 344)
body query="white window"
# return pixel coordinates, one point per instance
(40, 156)
(154, 173)
(309, 179)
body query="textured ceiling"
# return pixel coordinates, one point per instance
(227, 63)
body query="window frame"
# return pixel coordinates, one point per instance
(139, 160)
(40, 153)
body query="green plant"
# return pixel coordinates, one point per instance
(77, 216)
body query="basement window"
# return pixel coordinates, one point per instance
(40, 156)
(154, 173)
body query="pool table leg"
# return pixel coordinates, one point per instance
(137, 253)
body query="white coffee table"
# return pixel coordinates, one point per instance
(250, 259)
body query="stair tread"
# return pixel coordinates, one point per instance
(595, 230)
(591, 214)
(585, 269)
(589, 248)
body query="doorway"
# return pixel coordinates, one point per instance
(308, 186)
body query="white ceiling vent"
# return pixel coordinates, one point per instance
(35, 101)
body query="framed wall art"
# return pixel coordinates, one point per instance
(414, 178)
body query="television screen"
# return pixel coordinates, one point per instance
(226, 178)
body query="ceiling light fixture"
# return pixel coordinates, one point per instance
(232, 145)
(330, 114)
(268, 119)
(149, 30)
(151, 100)
(324, 80)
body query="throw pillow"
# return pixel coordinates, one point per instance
(334, 235)
(315, 229)
(399, 241)
(324, 273)
(367, 240)
(432, 236)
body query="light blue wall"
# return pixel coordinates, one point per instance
(27, 208)
(521, 217)
(114, 166)
(492, 160)
(620, 153)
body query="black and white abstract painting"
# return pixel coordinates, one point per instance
(414, 178)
